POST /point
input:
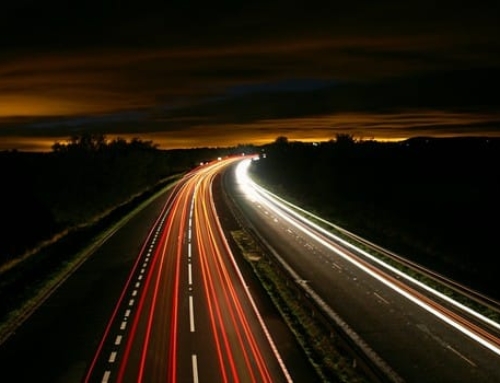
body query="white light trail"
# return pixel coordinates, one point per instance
(258, 194)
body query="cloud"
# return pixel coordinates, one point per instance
(192, 67)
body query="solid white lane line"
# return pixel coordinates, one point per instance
(194, 360)
(191, 314)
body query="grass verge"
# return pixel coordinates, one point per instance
(328, 360)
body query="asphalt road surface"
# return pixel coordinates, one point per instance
(415, 333)
(163, 299)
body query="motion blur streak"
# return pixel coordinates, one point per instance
(212, 258)
(159, 253)
(292, 209)
(192, 275)
(125, 289)
(330, 241)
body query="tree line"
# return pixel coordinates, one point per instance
(81, 179)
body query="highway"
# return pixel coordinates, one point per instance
(420, 333)
(159, 298)
(165, 299)
(185, 313)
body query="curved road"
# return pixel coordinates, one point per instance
(186, 312)
(421, 335)
(161, 300)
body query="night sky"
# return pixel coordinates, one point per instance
(217, 73)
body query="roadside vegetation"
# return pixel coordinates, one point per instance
(57, 205)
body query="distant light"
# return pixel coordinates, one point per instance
(219, 158)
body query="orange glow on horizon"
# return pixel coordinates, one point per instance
(363, 126)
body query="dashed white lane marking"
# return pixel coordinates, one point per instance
(190, 274)
(191, 314)
(123, 325)
(337, 266)
(105, 378)
(462, 356)
(380, 297)
(194, 360)
(189, 251)
(112, 357)
(118, 340)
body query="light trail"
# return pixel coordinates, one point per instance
(285, 205)
(259, 195)
(158, 257)
(156, 226)
(187, 259)
(213, 260)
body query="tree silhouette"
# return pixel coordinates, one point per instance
(344, 139)
(82, 143)
(281, 141)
